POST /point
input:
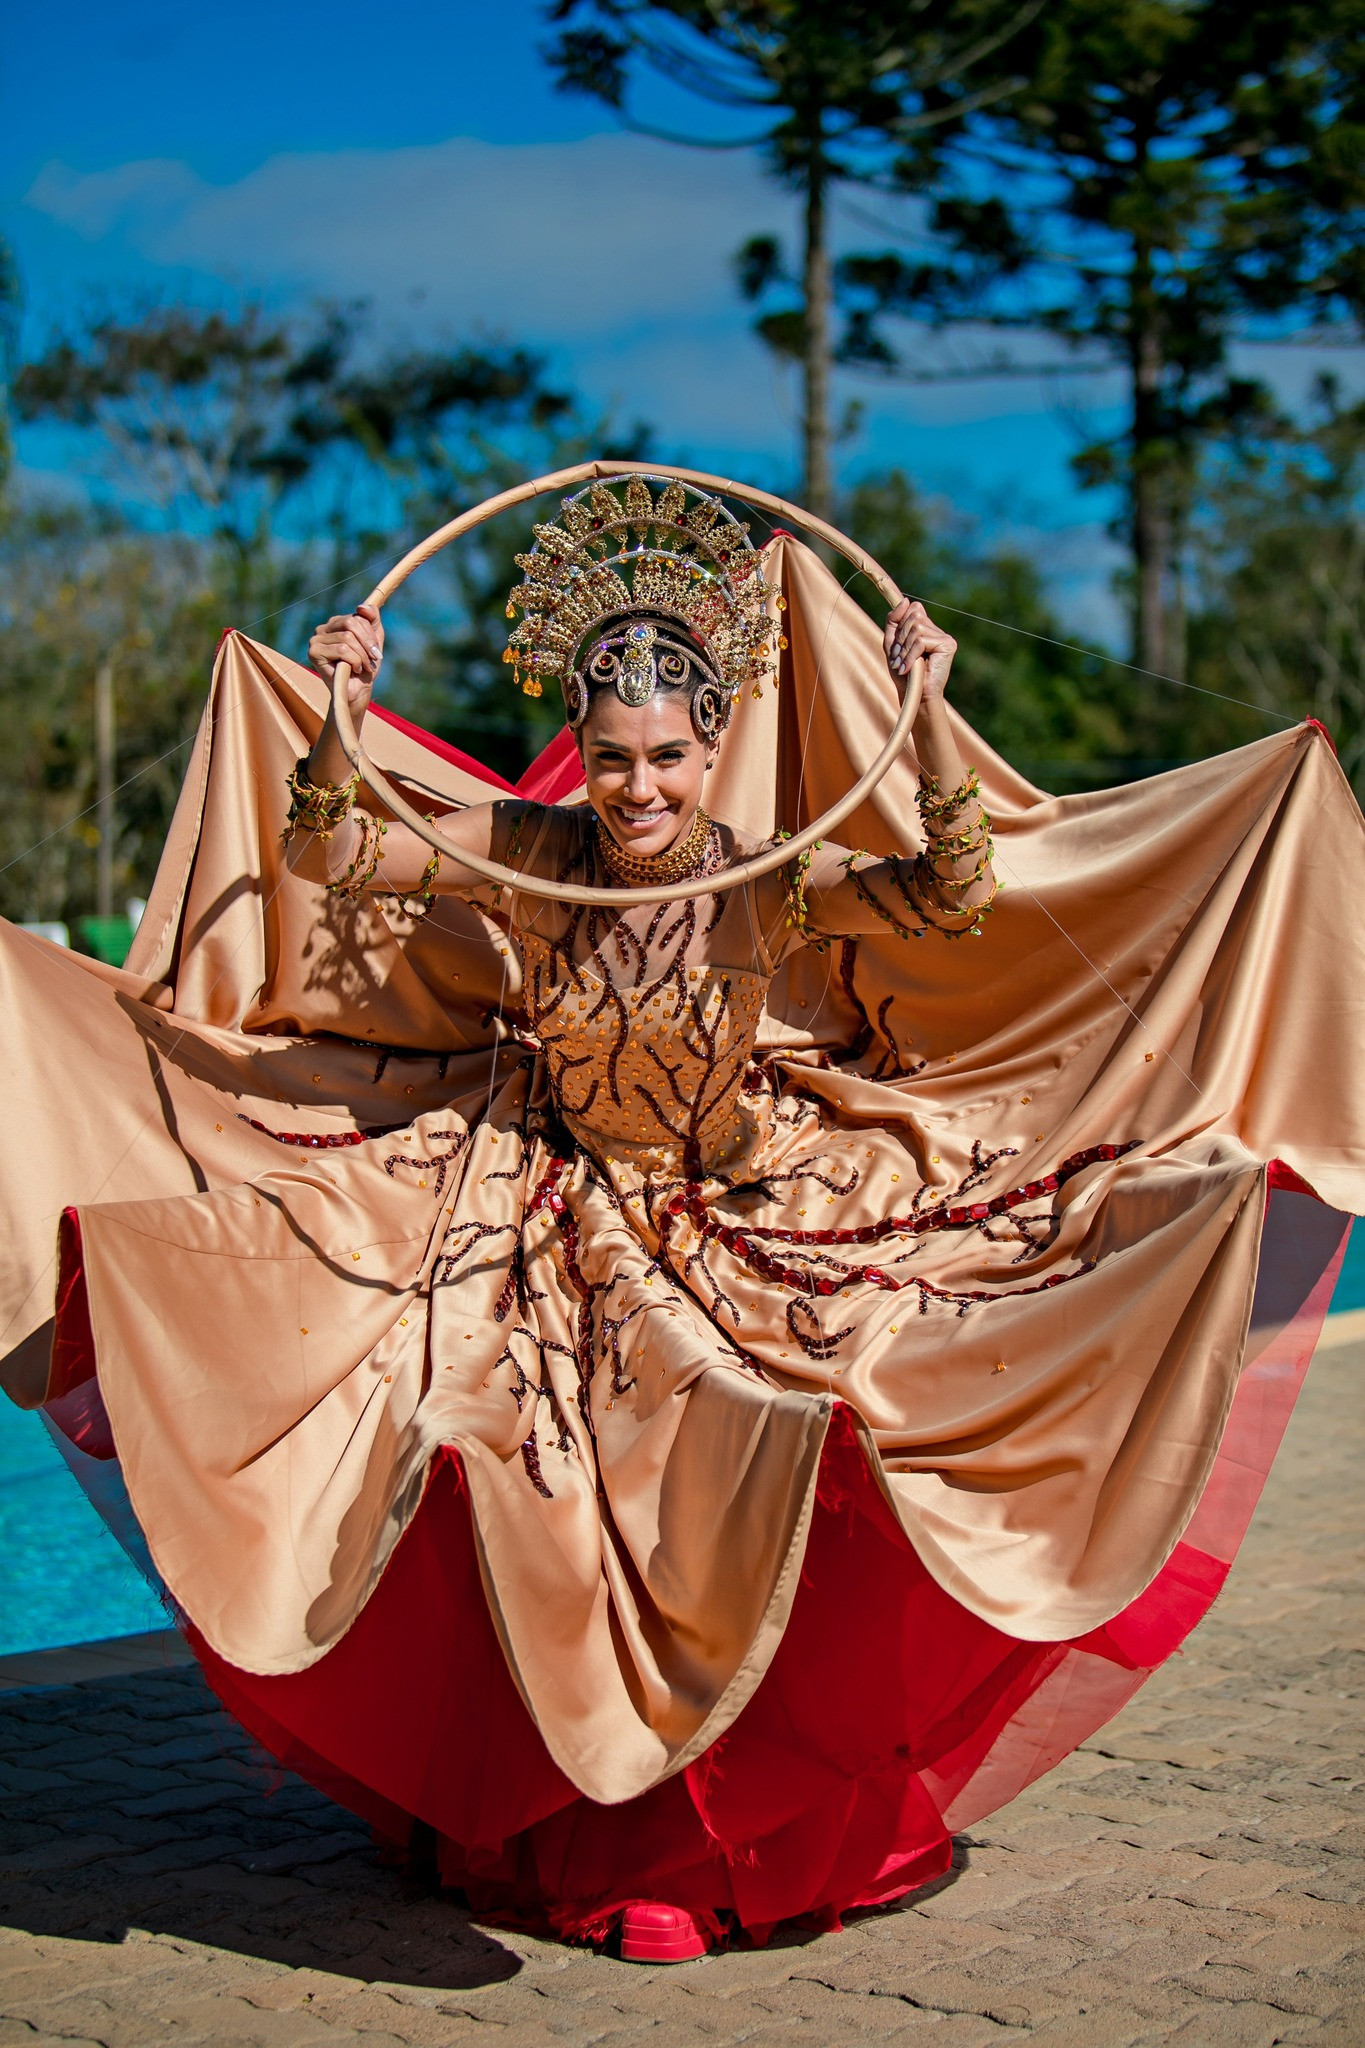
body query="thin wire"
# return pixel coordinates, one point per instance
(940, 604)
(496, 1048)
(1097, 971)
(323, 590)
(1091, 653)
(819, 669)
(1114, 661)
(57, 830)
(1100, 975)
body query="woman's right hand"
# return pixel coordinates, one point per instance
(358, 639)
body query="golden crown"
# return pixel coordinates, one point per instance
(700, 568)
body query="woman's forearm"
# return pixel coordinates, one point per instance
(936, 747)
(327, 764)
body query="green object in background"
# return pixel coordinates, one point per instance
(108, 938)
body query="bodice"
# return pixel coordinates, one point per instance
(650, 1070)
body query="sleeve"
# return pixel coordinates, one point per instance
(832, 893)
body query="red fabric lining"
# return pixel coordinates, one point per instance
(547, 768)
(73, 1345)
(810, 1803)
(889, 1713)
(1281, 1175)
(442, 748)
(556, 771)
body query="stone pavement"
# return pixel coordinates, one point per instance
(1194, 1875)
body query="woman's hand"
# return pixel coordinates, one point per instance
(357, 638)
(911, 633)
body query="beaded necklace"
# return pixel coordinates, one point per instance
(641, 870)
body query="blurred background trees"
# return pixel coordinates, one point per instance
(1146, 180)
(245, 471)
(1135, 187)
(1176, 175)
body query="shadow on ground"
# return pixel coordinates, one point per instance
(137, 1803)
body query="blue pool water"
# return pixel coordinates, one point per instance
(63, 1578)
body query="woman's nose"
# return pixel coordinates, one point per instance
(639, 783)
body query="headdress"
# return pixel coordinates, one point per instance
(681, 556)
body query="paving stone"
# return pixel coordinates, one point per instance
(18, 1778)
(65, 1852)
(1194, 1876)
(19, 2034)
(1233, 2026)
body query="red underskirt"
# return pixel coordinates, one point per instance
(888, 1716)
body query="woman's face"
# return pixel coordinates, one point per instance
(644, 767)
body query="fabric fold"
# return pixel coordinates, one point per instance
(341, 1235)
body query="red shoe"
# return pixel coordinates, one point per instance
(655, 1933)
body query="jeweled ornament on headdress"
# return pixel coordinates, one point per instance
(681, 555)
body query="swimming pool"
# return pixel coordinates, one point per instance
(63, 1578)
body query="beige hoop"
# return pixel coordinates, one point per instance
(576, 892)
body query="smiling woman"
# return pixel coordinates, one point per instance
(685, 1403)
(644, 771)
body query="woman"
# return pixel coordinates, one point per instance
(769, 1388)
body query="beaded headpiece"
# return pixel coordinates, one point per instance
(681, 557)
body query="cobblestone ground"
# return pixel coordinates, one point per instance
(1194, 1875)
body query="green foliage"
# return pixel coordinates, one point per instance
(1205, 152)
(265, 472)
(854, 81)
(75, 592)
(1276, 622)
(1060, 717)
(260, 473)
(449, 674)
(1176, 173)
(832, 92)
(10, 297)
(1280, 549)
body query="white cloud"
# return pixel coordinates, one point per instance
(596, 239)
(615, 250)
(613, 254)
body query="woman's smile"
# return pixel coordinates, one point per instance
(640, 819)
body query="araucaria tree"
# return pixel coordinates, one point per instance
(832, 93)
(1178, 175)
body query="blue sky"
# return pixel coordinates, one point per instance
(421, 158)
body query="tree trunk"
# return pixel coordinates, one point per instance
(1151, 526)
(1178, 610)
(104, 780)
(817, 492)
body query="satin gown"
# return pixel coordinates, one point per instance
(667, 1411)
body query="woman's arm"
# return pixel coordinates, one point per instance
(357, 854)
(947, 888)
(954, 874)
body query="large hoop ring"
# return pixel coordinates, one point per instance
(577, 892)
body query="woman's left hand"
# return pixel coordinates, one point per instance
(911, 633)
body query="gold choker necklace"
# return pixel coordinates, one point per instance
(641, 870)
